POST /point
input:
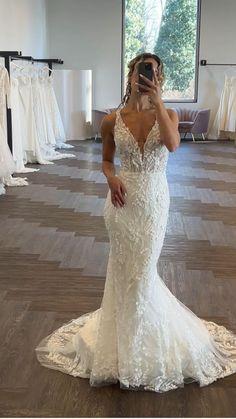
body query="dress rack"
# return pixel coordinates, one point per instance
(17, 55)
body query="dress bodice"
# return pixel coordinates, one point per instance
(154, 156)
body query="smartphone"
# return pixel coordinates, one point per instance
(146, 69)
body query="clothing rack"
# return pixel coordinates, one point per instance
(17, 55)
(204, 63)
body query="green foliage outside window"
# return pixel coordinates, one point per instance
(175, 40)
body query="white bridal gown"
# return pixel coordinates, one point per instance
(142, 335)
(224, 125)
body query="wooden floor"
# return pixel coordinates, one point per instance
(53, 256)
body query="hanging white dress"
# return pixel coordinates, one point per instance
(44, 121)
(7, 164)
(4, 97)
(58, 128)
(17, 139)
(19, 155)
(40, 119)
(30, 134)
(49, 120)
(142, 335)
(224, 124)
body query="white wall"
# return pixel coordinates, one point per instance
(217, 45)
(23, 26)
(86, 34)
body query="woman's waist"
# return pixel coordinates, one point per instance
(142, 173)
(144, 183)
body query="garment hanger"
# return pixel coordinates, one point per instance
(16, 69)
(46, 68)
(16, 65)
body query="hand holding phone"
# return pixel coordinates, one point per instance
(146, 69)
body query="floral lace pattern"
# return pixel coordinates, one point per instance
(142, 335)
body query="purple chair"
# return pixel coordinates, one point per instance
(193, 121)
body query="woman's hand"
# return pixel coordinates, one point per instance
(153, 89)
(118, 191)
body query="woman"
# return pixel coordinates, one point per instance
(142, 335)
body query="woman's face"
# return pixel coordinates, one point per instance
(134, 77)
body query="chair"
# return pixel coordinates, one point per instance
(193, 121)
(97, 117)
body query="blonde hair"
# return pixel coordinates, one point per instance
(131, 66)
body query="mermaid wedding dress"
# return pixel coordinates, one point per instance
(142, 335)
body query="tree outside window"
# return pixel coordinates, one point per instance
(168, 28)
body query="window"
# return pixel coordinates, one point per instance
(169, 29)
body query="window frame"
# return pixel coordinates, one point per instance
(195, 99)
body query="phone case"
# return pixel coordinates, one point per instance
(145, 68)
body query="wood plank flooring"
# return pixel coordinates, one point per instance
(53, 257)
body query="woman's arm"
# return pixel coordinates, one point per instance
(168, 123)
(118, 189)
(167, 118)
(108, 145)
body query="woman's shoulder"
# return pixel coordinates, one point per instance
(108, 122)
(109, 118)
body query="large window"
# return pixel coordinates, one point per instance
(170, 29)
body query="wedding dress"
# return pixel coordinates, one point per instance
(43, 119)
(30, 134)
(224, 124)
(7, 164)
(142, 335)
(19, 155)
(58, 128)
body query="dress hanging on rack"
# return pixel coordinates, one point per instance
(58, 127)
(224, 125)
(44, 119)
(32, 123)
(18, 152)
(7, 164)
(4, 97)
(30, 134)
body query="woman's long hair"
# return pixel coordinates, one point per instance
(131, 65)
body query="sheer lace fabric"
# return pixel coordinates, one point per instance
(142, 336)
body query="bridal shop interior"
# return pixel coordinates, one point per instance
(63, 68)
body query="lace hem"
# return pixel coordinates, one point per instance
(70, 349)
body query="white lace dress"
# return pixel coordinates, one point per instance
(142, 336)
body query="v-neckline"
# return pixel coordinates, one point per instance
(141, 151)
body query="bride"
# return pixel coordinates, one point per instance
(142, 336)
